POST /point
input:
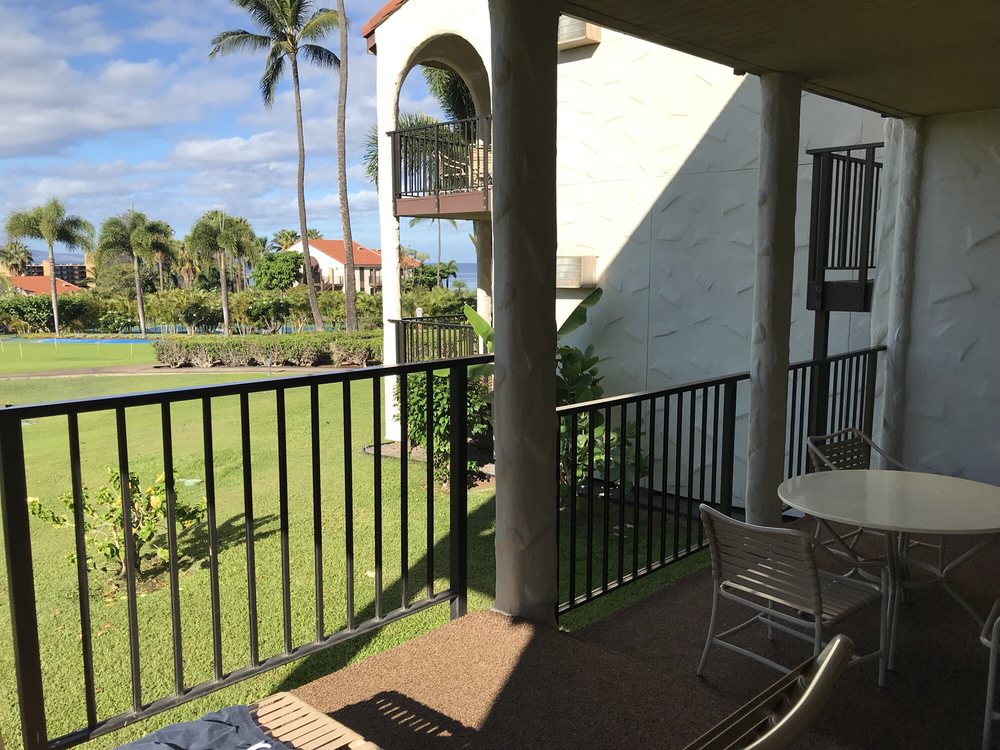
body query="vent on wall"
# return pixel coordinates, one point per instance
(576, 272)
(576, 33)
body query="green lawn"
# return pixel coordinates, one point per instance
(25, 355)
(48, 476)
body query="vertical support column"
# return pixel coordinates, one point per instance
(524, 230)
(391, 293)
(484, 268)
(910, 153)
(772, 307)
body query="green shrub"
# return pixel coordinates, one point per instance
(104, 520)
(341, 349)
(479, 403)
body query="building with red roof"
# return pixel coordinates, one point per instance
(41, 285)
(331, 259)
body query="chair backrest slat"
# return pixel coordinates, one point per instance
(776, 565)
(841, 450)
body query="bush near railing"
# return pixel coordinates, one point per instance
(340, 349)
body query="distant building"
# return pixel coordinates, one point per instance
(35, 284)
(74, 273)
(330, 258)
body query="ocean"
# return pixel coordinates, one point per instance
(467, 273)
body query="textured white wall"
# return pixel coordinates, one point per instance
(952, 410)
(658, 159)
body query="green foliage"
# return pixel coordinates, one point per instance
(450, 90)
(479, 405)
(104, 520)
(16, 256)
(116, 321)
(340, 349)
(277, 272)
(436, 301)
(429, 275)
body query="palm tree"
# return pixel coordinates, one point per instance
(50, 223)
(135, 237)
(186, 261)
(285, 238)
(16, 256)
(350, 289)
(220, 237)
(291, 28)
(162, 254)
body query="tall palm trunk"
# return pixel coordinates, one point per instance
(303, 225)
(224, 283)
(53, 293)
(350, 288)
(138, 294)
(159, 262)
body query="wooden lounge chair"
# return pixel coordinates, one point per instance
(298, 725)
(779, 715)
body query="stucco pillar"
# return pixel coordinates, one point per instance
(524, 232)
(908, 151)
(484, 268)
(389, 235)
(772, 306)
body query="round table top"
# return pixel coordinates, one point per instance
(908, 501)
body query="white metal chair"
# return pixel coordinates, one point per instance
(850, 448)
(784, 711)
(990, 637)
(773, 572)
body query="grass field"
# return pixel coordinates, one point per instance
(19, 355)
(46, 449)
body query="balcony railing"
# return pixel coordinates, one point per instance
(843, 227)
(277, 504)
(434, 337)
(443, 169)
(635, 468)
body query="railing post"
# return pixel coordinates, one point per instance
(871, 372)
(458, 491)
(728, 447)
(400, 341)
(21, 584)
(819, 397)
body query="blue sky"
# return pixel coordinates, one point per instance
(116, 103)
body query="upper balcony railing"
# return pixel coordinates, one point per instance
(434, 337)
(843, 227)
(445, 169)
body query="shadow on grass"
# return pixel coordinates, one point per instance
(482, 580)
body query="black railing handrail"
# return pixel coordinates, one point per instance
(834, 149)
(433, 319)
(630, 398)
(195, 392)
(431, 126)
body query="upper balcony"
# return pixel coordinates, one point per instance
(443, 170)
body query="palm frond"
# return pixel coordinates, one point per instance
(320, 24)
(274, 69)
(298, 12)
(239, 40)
(320, 56)
(114, 239)
(77, 233)
(24, 224)
(265, 13)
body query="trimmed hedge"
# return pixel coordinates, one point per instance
(340, 349)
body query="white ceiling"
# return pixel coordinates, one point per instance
(900, 57)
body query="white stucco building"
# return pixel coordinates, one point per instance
(329, 256)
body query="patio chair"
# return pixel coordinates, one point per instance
(298, 725)
(990, 637)
(774, 572)
(846, 449)
(781, 713)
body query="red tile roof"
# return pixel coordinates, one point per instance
(368, 30)
(40, 285)
(364, 257)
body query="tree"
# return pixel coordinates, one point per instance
(16, 256)
(451, 93)
(186, 261)
(163, 254)
(136, 238)
(291, 28)
(407, 120)
(218, 237)
(285, 238)
(350, 278)
(277, 272)
(50, 223)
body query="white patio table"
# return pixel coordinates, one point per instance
(901, 502)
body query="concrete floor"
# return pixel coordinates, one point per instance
(628, 680)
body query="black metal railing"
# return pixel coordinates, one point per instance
(633, 469)
(843, 225)
(447, 157)
(434, 337)
(257, 448)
